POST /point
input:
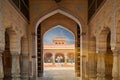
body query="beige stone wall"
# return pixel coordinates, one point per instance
(39, 11)
(14, 23)
(13, 18)
(39, 8)
(104, 21)
(106, 18)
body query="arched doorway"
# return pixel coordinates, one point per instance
(48, 58)
(59, 58)
(7, 59)
(59, 44)
(105, 55)
(40, 43)
(108, 59)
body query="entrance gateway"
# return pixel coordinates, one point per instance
(39, 52)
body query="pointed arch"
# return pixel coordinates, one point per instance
(60, 26)
(60, 12)
(79, 32)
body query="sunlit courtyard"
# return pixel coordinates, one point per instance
(59, 73)
(59, 55)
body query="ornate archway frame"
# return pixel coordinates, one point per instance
(69, 16)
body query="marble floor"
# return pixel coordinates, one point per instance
(59, 73)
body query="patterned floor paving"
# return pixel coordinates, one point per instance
(59, 74)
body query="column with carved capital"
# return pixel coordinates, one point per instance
(15, 48)
(115, 71)
(15, 66)
(92, 59)
(101, 66)
(1, 66)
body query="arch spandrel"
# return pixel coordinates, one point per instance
(78, 21)
(79, 31)
(59, 26)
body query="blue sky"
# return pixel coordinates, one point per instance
(58, 31)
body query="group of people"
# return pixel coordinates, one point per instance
(59, 59)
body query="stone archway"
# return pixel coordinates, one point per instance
(48, 58)
(108, 59)
(7, 59)
(13, 52)
(59, 58)
(39, 69)
(105, 55)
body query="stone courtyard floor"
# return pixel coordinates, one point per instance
(59, 73)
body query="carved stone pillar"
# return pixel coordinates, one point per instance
(66, 58)
(25, 59)
(53, 58)
(101, 66)
(25, 66)
(15, 66)
(92, 59)
(98, 66)
(115, 71)
(1, 66)
(92, 68)
(2, 41)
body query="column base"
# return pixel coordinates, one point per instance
(92, 78)
(16, 78)
(100, 78)
(25, 77)
(116, 78)
(1, 78)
